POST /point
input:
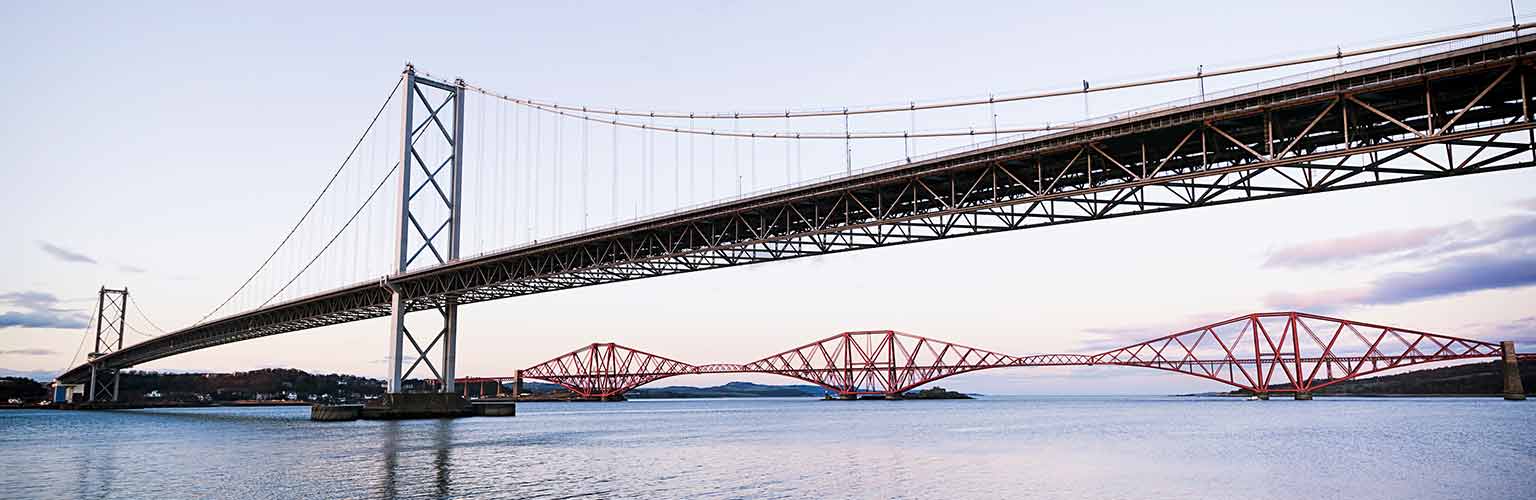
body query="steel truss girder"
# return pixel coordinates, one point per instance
(1292, 352)
(1285, 352)
(1457, 113)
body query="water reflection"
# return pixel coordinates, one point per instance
(96, 466)
(402, 468)
(390, 439)
(442, 445)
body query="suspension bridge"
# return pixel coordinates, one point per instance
(484, 196)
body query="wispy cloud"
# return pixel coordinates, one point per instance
(1522, 331)
(1463, 274)
(1528, 204)
(405, 359)
(26, 319)
(27, 352)
(1096, 340)
(1323, 252)
(29, 299)
(131, 269)
(1318, 301)
(1456, 275)
(1406, 244)
(64, 254)
(38, 310)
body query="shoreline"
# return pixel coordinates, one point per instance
(1283, 395)
(151, 406)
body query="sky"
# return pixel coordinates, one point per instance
(169, 149)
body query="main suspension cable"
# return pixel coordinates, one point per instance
(84, 334)
(312, 205)
(843, 136)
(382, 182)
(1198, 75)
(151, 322)
(146, 335)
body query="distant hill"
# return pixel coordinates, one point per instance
(1468, 379)
(25, 389)
(275, 383)
(38, 375)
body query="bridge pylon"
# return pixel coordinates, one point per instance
(111, 326)
(428, 225)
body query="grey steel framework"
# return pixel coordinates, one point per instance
(1455, 113)
(111, 326)
(429, 219)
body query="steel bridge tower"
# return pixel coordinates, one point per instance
(429, 222)
(111, 325)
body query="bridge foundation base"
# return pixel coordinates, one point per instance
(335, 413)
(1263, 396)
(496, 409)
(1303, 396)
(1513, 389)
(416, 405)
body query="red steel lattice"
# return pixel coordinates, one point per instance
(1264, 352)
(1297, 352)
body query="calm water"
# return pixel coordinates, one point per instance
(794, 448)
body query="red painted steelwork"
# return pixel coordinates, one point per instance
(1263, 352)
(1298, 352)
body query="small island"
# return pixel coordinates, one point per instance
(935, 393)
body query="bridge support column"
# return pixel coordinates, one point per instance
(1514, 390)
(1303, 396)
(111, 323)
(1263, 396)
(450, 341)
(427, 228)
(517, 384)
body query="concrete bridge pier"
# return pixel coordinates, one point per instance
(417, 405)
(1513, 389)
(1303, 396)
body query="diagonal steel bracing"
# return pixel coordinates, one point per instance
(111, 326)
(1284, 352)
(429, 222)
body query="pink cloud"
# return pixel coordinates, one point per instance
(1416, 243)
(1355, 247)
(1316, 301)
(1465, 273)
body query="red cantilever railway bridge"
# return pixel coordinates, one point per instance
(1286, 352)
